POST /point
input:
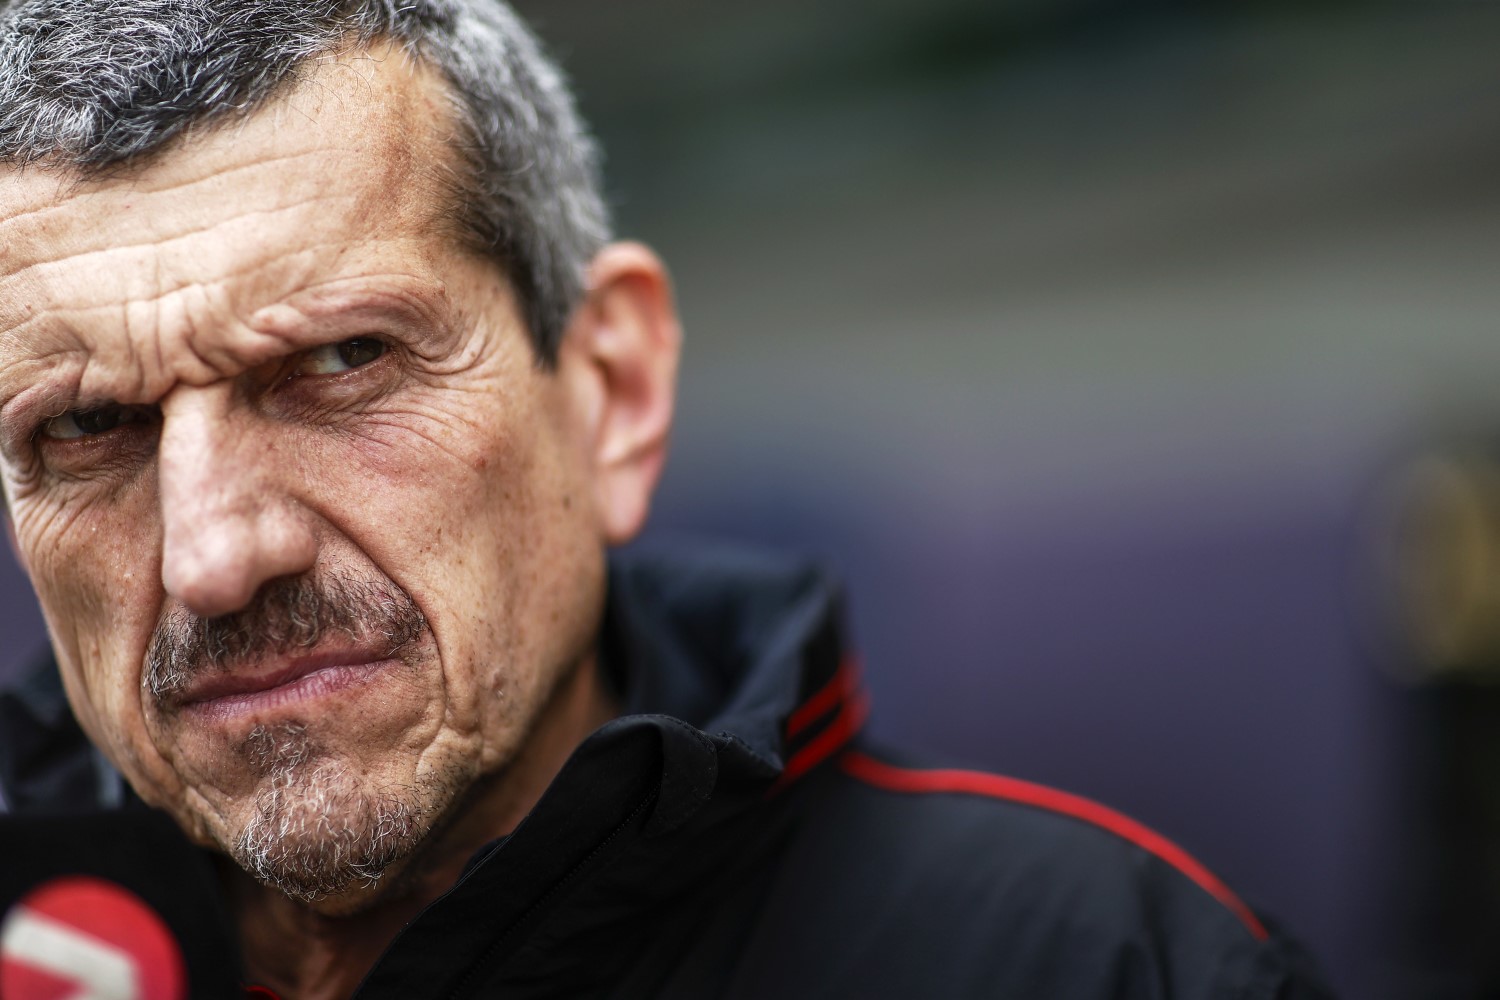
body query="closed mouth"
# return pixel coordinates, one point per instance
(230, 694)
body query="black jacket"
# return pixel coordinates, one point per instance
(731, 836)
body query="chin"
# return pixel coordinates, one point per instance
(330, 838)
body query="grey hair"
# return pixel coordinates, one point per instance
(96, 84)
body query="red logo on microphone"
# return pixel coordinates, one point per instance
(81, 938)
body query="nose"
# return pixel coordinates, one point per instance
(228, 525)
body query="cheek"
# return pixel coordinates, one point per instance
(96, 573)
(454, 526)
(482, 520)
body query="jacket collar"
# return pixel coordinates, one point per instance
(737, 644)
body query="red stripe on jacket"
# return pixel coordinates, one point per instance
(900, 779)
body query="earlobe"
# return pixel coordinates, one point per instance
(624, 341)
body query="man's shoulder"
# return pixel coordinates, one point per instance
(1002, 887)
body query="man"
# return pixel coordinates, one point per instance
(322, 396)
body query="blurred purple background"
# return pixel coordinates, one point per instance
(1077, 336)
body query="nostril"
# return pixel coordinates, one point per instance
(215, 560)
(208, 583)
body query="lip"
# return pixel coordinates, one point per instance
(224, 696)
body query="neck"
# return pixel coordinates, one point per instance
(310, 955)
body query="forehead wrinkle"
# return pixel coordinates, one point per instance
(139, 183)
(366, 201)
(122, 295)
(103, 228)
(165, 244)
(70, 185)
(129, 379)
(298, 282)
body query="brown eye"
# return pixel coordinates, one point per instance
(334, 359)
(77, 424)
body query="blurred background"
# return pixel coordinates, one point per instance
(1135, 364)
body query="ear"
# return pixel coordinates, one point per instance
(619, 355)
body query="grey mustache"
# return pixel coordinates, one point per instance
(286, 615)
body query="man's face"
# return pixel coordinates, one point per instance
(312, 532)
